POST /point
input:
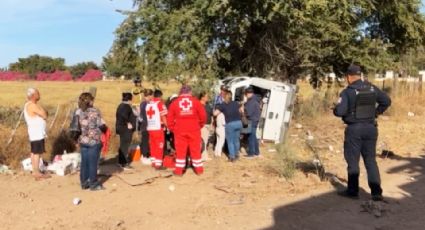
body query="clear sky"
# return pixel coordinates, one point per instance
(77, 30)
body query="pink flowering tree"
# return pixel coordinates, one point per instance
(13, 76)
(60, 76)
(92, 75)
(41, 76)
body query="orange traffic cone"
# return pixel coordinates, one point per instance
(136, 154)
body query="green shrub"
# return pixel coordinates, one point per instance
(285, 161)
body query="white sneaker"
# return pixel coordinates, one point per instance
(146, 161)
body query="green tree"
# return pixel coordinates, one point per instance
(36, 63)
(274, 38)
(81, 68)
(123, 59)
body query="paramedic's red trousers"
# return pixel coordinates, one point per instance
(156, 145)
(191, 141)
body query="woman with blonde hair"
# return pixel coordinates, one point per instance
(232, 116)
(92, 126)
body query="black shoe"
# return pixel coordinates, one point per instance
(232, 160)
(127, 167)
(377, 198)
(349, 195)
(97, 188)
(85, 187)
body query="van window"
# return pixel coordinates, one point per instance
(239, 93)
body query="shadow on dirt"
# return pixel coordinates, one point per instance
(331, 212)
(108, 168)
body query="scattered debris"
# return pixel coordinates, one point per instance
(172, 188)
(239, 201)
(410, 114)
(298, 126)
(119, 223)
(225, 189)
(247, 174)
(271, 150)
(137, 179)
(27, 166)
(387, 154)
(310, 136)
(76, 201)
(5, 170)
(412, 179)
(331, 148)
(65, 164)
(22, 195)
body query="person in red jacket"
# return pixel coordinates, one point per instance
(186, 117)
(156, 122)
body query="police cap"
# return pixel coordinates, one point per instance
(353, 70)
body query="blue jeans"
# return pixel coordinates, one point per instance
(253, 146)
(233, 133)
(89, 160)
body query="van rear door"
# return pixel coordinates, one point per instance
(276, 115)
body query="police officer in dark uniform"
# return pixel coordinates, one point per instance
(358, 106)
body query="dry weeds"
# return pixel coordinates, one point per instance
(55, 95)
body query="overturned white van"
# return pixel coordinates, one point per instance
(277, 103)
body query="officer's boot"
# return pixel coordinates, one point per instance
(376, 192)
(352, 187)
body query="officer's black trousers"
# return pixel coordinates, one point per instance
(360, 139)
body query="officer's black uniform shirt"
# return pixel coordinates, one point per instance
(347, 102)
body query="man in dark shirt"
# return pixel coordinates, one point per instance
(357, 108)
(253, 113)
(125, 126)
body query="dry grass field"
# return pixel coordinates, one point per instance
(250, 194)
(60, 97)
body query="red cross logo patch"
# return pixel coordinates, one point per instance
(150, 112)
(185, 104)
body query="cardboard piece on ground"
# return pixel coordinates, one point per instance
(147, 176)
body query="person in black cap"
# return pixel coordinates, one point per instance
(252, 110)
(357, 108)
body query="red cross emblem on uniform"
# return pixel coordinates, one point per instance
(185, 104)
(150, 112)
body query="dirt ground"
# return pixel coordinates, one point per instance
(245, 195)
